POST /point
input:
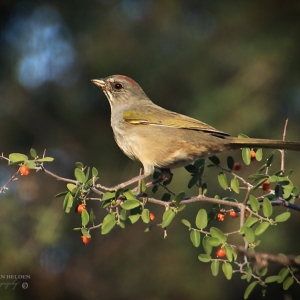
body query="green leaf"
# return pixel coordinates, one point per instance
(191, 169)
(282, 274)
(130, 204)
(230, 162)
(61, 194)
(218, 234)
(229, 252)
(267, 207)
(94, 172)
(249, 235)
(270, 159)
(206, 245)
(108, 223)
(258, 176)
(254, 203)
(214, 242)
(215, 267)
(133, 218)
(71, 187)
(123, 215)
(235, 185)
(79, 175)
(227, 270)
(108, 196)
(68, 202)
(167, 217)
(45, 159)
(249, 289)
(193, 181)
(259, 154)
(214, 159)
(246, 156)
(79, 165)
(92, 216)
(262, 272)
(85, 232)
(186, 223)
(166, 197)
(243, 136)
(17, 157)
(121, 224)
(33, 153)
(129, 195)
(179, 197)
(288, 282)
(201, 219)
(84, 218)
(223, 180)
(250, 221)
(31, 164)
(270, 279)
(195, 238)
(283, 217)
(146, 216)
(261, 228)
(204, 258)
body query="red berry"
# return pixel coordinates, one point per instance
(221, 252)
(252, 154)
(266, 186)
(246, 214)
(233, 214)
(80, 208)
(85, 239)
(221, 216)
(152, 217)
(237, 167)
(24, 170)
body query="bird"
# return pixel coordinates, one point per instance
(162, 139)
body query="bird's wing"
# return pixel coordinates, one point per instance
(160, 117)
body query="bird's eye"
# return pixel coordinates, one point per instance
(118, 86)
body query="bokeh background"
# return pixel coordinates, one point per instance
(233, 64)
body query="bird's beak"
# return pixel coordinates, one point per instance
(99, 82)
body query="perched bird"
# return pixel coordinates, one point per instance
(163, 139)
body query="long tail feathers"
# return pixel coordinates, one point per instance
(263, 143)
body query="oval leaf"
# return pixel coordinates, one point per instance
(272, 279)
(84, 218)
(283, 217)
(261, 228)
(259, 154)
(267, 207)
(235, 185)
(246, 156)
(249, 289)
(223, 180)
(167, 217)
(94, 172)
(249, 235)
(79, 175)
(201, 219)
(287, 283)
(218, 234)
(254, 203)
(204, 257)
(214, 242)
(130, 204)
(186, 223)
(108, 223)
(146, 216)
(206, 245)
(33, 153)
(227, 270)
(17, 157)
(215, 267)
(133, 218)
(195, 238)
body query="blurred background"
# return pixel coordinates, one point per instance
(232, 64)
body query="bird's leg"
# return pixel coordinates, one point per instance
(165, 175)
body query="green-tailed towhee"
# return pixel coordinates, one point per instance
(163, 139)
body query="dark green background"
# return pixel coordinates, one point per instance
(232, 64)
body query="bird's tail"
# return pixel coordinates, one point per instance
(262, 143)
